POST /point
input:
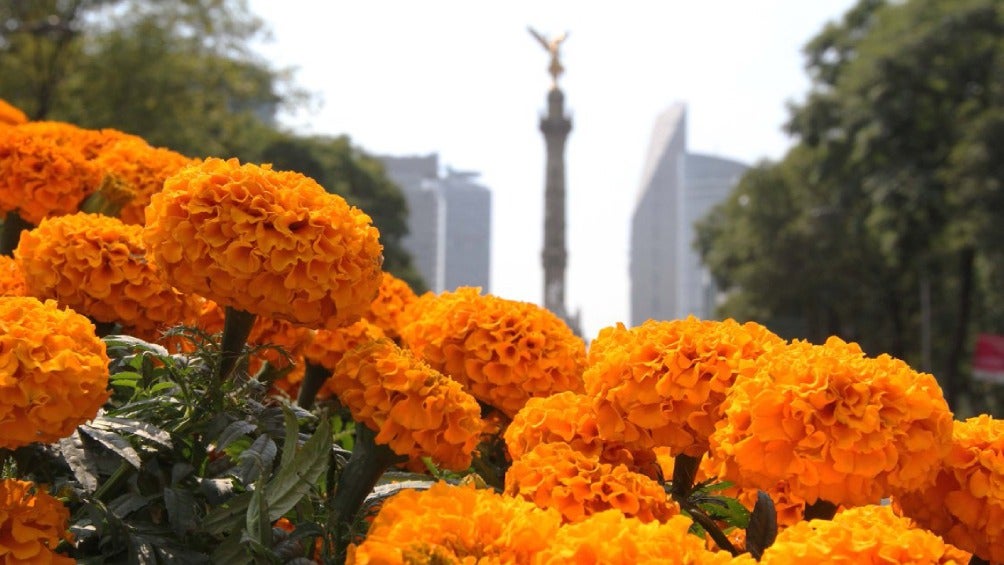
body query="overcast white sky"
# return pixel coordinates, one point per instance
(466, 80)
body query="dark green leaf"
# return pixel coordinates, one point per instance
(228, 517)
(82, 462)
(762, 529)
(292, 435)
(126, 504)
(256, 459)
(231, 550)
(181, 510)
(114, 442)
(232, 433)
(216, 490)
(297, 476)
(135, 427)
(724, 508)
(257, 525)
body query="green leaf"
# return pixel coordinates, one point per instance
(181, 510)
(231, 550)
(126, 504)
(256, 460)
(114, 442)
(232, 433)
(292, 428)
(762, 528)
(81, 460)
(298, 474)
(135, 427)
(257, 524)
(724, 508)
(228, 516)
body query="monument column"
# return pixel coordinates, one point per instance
(555, 126)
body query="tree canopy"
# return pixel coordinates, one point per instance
(882, 224)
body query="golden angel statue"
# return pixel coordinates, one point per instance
(552, 46)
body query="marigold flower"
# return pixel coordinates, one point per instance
(662, 383)
(97, 265)
(568, 417)
(611, 538)
(966, 503)
(834, 424)
(141, 167)
(388, 309)
(10, 115)
(32, 524)
(39, 178)
(53, 371)
(553, 475)
(415, 410)
(87, 142)
(866, 534)
(11, 278)
(503, 351)
(470, 525)
(267, 242)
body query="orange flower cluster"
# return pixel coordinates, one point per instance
(966, 503)
(866, 534)
(388, 309)
(611, 538)
(143, 169)
(662, 383)
(39, 178)
(11, 278)
(10, 115)
(267, 242)
(32, 524)
(413, 408)
(835, 424)
(53, 371)
(87, 142)
(97, 265)
(568, 418)
(503, 351)
(553, 475)
(455, 524)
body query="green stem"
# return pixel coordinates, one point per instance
(820, 510)
(313, 379)
(120, 473)
(236, 329)
(13, 225)
(367, 464)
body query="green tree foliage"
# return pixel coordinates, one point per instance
(892, 235)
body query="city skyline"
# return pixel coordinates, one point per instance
(468, 82)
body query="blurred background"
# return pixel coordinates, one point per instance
(824, 168)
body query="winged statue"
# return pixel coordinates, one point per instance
(552, 46)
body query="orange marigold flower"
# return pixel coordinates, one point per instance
(267, 242)
(387, 311)
(568, 417)
(553, 475)
(503, 351)
(662, 383)
(966, 503)
(32, 524)
(611, 538)
(11, 278)
(833, 423)
(462, 523)
(415, 410)
(11, 115)
(53, 371)
(143, 169)
(88, 142)
(866, 534)
(97, 266)
(39, 178)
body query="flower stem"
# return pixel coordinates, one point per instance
(820, 510)
(367, 464)
(313, 379)
(236, 328)
(13, 225)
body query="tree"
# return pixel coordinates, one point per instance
(902, 130)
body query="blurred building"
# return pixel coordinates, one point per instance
(449, 222)
(677, 189)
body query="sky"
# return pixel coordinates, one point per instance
(466, 80)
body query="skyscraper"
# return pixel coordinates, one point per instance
(449, 222)
(677, 189)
